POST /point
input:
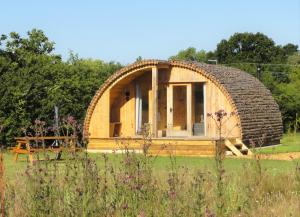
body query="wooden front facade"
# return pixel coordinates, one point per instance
(172, 100)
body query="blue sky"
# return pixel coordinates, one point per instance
(123, 30)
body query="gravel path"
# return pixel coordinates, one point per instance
(281, 156)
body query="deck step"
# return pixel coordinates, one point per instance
(238, 145)
(228, 153)
(244, 151)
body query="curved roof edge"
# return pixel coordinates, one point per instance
(257, 111)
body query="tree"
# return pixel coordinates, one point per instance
(249, 47)
(290, 49)
(288, 98)
(138, 59)
(34, 80)
(294, 58)
(190, 54)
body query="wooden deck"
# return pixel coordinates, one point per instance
(194, 146)
(181, 146)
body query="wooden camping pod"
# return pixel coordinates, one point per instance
(173, 99)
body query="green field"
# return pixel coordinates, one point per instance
(163, 164)
(289, 143)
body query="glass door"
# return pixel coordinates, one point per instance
(177, 108)
(198, 114)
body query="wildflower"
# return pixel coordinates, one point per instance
(27, 173)
(39, 122)
(141, 214)
(252, 143)
(79, 191)
(170, 181)
(220, 114)
(125, 206)
(71, 120)
(139, 186)
(127, 161)
(172, 194)
(208, 213)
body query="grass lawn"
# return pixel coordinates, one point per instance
(289, 143)
(163, 164)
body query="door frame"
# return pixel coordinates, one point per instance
(170, 97)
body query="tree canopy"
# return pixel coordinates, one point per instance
(252, 48)
(34, 80)
(190, 54)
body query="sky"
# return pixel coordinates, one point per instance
(123, 30)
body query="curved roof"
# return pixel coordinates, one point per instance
(253, 103)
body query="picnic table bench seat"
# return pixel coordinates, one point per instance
(24, 146)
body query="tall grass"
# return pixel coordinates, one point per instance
(2, 184)
(127, 184)
(2, 181)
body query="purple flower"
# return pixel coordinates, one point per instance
(39, 122)
(172, 194)
(141, 214)
(220, 114)
(125, 206)
(208, 213)
(71, 120)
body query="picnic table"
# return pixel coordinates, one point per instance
(32, 145)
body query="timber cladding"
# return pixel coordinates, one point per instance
(257, 112)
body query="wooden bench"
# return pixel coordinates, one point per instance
(24, 146)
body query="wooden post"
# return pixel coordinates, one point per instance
(204, 109)
(17, 154)
(189, 123)
(154, 101)
(169, 110)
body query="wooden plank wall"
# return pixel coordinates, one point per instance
(179, 75)
(127, 107)
(216, 100)
(99, 125)
(162, 108)
(127, 111)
